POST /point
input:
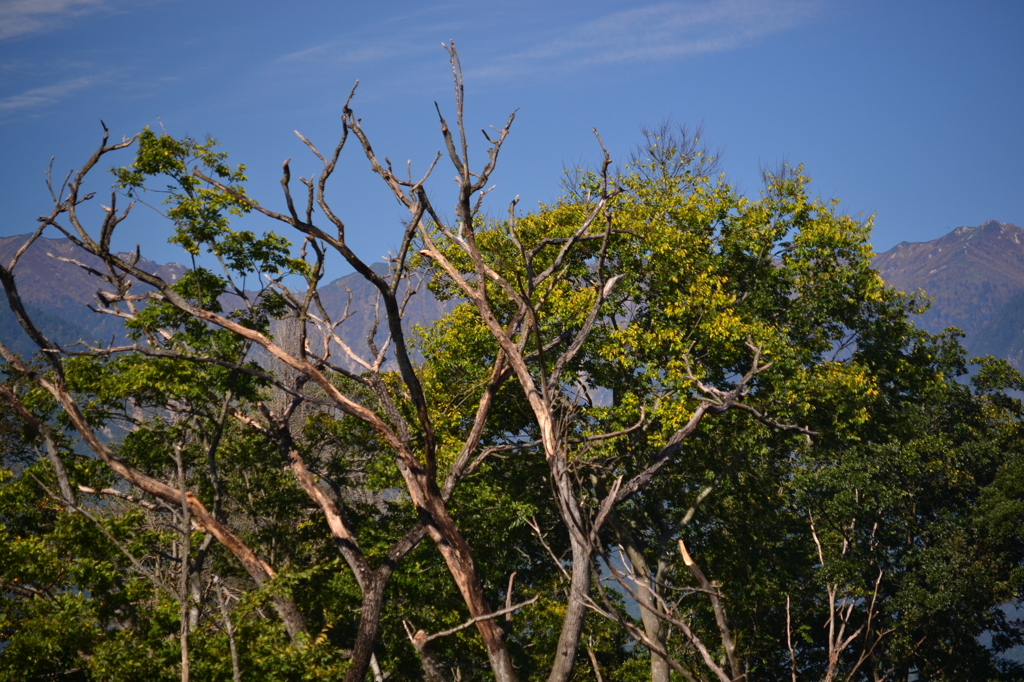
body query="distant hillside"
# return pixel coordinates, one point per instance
(974, 274)
(58, 294)
(1003, 337)
(971, 273)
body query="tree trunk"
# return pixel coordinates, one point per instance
(236, 673)
(369, 626)
(459, 558)
(579, 584)
(654, 627)
(186, 550)
(575, 612)
(294, 621)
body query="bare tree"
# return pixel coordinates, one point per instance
(513, 311)
(523, 348)
(428, 488)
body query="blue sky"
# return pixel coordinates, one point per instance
(910, 110)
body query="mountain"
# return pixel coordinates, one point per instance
(57, 295)
(975, 277)
(1003, 337)
(971, 273)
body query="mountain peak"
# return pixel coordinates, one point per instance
(971, 272)
(989, 227)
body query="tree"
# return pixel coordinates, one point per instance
(655, 365)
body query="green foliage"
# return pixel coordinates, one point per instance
(903, 453)
(200, 210)
(865, 468)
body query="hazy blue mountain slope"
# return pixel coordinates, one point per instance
(1003, 336)
(56, 327)
(58, 295)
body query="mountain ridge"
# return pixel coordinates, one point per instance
(974, 277)
(969, 273)
(58, 294)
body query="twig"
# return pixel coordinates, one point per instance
(532, 523)
(593, 660)
(473, 621)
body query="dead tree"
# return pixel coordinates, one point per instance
(536, 356)
(417, 464)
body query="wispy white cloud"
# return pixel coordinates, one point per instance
(653, 33)
(334, 53)
(49, 94)
(21, 17)
(375, 42)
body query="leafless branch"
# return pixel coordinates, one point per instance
(714, 594)
(477, 619)
(532, 523)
